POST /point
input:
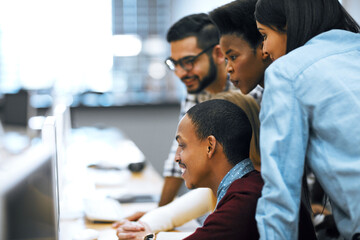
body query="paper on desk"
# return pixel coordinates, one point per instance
(172, 235)
(108, 234)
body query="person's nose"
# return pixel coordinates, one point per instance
(265, 48)
(177, 155)
(180, 72)
(229, 67)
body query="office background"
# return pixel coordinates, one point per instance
(107, 55)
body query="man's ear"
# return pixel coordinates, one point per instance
(211, 146)
(218, 55)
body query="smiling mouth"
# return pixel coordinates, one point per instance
(188, 81)
(182, 167)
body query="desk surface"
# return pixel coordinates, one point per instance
(147, 181)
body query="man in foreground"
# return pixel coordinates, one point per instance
(213, 152)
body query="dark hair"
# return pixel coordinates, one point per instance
(238, 18)
(304, 19)
(227, 122)
(197, 25)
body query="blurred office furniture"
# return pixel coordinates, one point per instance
(151, 127)
(21, 121)
(17, 109)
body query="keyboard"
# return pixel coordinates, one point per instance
(103, 210)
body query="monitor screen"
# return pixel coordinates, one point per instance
(61, 112)
(28, 197)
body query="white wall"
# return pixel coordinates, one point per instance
(353, 7)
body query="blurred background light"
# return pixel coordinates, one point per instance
(126, 45)
(155, 46)
(157, 70)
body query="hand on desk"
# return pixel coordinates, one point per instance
(126, 229)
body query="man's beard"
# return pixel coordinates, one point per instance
(208, 79)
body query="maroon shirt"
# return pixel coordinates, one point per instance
(234, 216)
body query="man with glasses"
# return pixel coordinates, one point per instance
(197, 60)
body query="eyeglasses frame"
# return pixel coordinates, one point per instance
(190, 59)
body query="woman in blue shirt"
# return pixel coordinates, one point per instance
(310, 112)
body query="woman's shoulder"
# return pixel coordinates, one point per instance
(318, 49)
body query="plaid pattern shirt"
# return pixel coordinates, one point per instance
(171, 168)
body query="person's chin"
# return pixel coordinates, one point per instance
(192, 186)
(244, 89)
(238, 85)
(193, 89)
(189, 185)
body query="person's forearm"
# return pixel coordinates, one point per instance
(170, 189)
(183, 209)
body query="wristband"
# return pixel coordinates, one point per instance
(150, 236)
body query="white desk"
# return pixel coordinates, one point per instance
(146, 182)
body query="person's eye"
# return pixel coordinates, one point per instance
(230, 59)
(187, 61)
(264, 36)
(181, 145)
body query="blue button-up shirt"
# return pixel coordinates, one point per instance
(311, 110)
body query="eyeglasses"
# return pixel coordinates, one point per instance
(187, 63)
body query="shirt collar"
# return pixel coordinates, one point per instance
(238, 171)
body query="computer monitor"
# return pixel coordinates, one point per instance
(28, 196)
(60, 122)
(51, 137)
(61, 111)
(54, 138)
(49, 133)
